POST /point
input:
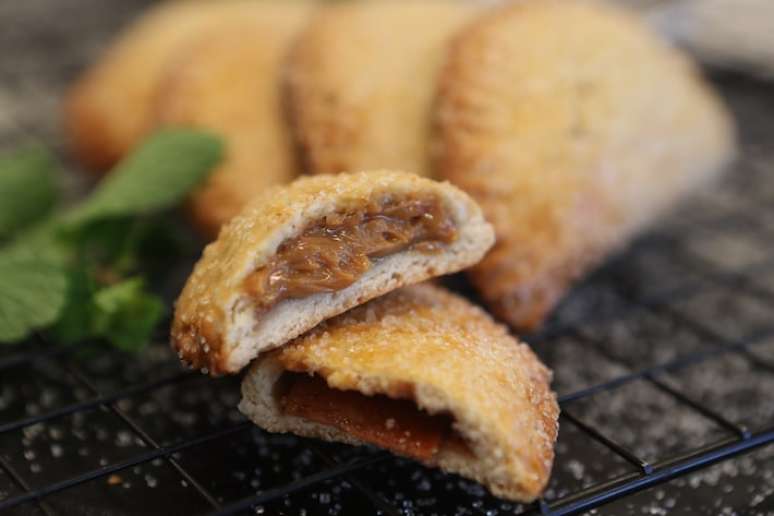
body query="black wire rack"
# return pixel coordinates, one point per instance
(663, 360)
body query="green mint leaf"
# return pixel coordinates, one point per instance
(50, 274)
(76, 320)
(157, 176)
(124, 313)
(45, 241)
(32, 295)
(127, 314)
(105, 242)
(116, 248)
(27, 188)
(151, 246)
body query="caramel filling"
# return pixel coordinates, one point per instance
(396, 425)
(334, 252)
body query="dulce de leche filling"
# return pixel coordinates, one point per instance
(332, 253)
(396, 425)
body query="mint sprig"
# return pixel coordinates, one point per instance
(28, 188)
(32, 295)
(126, 314)
(77, 272)
(155, 177)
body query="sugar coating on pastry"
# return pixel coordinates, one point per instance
(110, 108)
(227, 80)
(304, 252)
(473, 400)
(362, 79)
(573, 126)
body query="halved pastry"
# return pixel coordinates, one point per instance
(362, 79)
(110, 108)
(424, 374)
(227, 79)
(574, 127)
(305, 252)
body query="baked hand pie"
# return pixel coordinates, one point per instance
(573, 126)
(227, 80)
(424, 374)
(111, 107)
(305, 252)
(362, 79)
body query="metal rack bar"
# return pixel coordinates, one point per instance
(677, 363)
(586, 501)
(727, 278)
(741, 440)
(262, 498)
(742, 431)
(598, 436)
(141, 458)
(146, 438)
(682, 398)
(650, 474)
(298, 485)
(93, 403)
(17, 359)
(757, 361)
(22, 484)
(379, 501)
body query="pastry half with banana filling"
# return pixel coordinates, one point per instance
(304, 252)
(425, 374)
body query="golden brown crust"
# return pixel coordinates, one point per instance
(573, 127)
(215, 325)
(228, 80)
(361, 81)
(425, 343)
(110, 108)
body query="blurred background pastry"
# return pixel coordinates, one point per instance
(110, 108)
(227, 79)
(574, 127)
(362, 82)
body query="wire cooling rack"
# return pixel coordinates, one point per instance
(663, 360)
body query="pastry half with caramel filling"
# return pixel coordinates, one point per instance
(304, 252)
(425, 374)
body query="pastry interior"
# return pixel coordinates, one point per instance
(331, 253)
(394, 422)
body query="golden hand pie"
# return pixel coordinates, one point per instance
(362, 78)
(573, 126)
(305, 252)
(110, 108)
(228, 80)
(422, 373)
